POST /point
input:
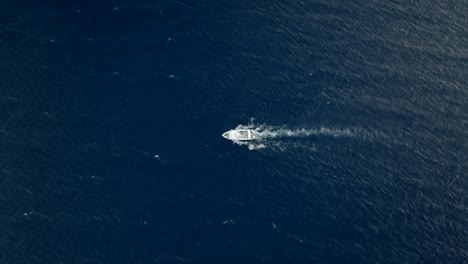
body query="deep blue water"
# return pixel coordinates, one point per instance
(111, 115)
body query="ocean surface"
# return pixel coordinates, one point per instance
(111, 115)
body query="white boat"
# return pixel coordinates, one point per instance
(239, 135)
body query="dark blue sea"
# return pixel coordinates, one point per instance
(111, 115)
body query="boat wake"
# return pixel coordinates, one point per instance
(267, 136)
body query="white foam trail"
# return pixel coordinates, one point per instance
(265, 131)
(270, 136)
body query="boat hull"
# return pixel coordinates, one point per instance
(239, 135)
